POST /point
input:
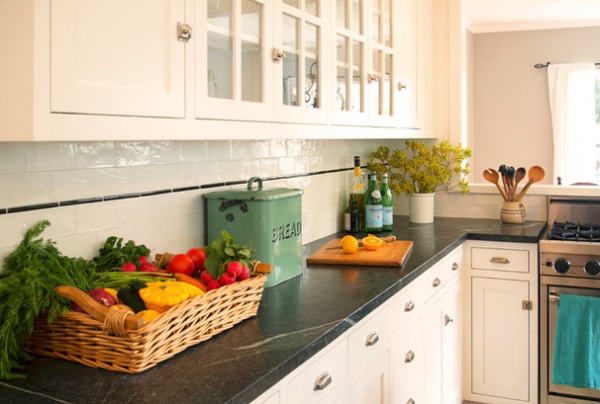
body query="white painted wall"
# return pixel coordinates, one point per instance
(510, 110)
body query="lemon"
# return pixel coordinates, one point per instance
(372, 243)
(349, 244)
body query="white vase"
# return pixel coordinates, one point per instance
(420, 208)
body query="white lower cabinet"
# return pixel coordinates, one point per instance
(502, 333)
(407, 366)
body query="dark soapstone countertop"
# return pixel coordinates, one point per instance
(295, 320)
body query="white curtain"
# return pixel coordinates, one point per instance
(572, 90)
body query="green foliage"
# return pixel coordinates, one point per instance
(221, 252)
(31, 272)
(420, 168)
(114, 254)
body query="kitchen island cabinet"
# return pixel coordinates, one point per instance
(297, 321)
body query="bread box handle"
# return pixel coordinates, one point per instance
(252, 181)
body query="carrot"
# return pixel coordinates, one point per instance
(192, 281)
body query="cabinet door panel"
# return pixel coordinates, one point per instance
(117, 57)
(500, 331)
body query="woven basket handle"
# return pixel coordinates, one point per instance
(95, 309)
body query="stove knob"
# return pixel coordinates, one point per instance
(562, 265)
(592, 268)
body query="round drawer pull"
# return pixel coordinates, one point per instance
(436, 282)
(455, 266)
(409, 306)
(447, 319)
(409, 357)
(410, 401)
(322, 381)
(372, 339)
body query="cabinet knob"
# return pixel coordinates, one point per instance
(184, 32)
(436, 282)
(372, 339)
(455, 266)
(409, 357)
(409, 306)
(447, 319)
(401, 86)
(410, 401)
(371, 78)
(322, 381)
(277, 55)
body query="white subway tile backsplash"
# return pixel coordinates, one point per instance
(95, 155)
(47, 156)
(13, 158)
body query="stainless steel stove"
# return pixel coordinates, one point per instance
(569, 264)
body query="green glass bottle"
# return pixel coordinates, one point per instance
(386, 202)
(373, 207)
(357, 188)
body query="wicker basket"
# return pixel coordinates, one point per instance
(131, 346)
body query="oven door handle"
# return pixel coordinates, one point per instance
(553, 297)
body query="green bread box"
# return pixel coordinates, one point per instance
(269, 220)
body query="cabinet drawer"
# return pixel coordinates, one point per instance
(369, 337)
(407, 371)
(500, 259)
(441, 274)
(406, 304)
(321, 377)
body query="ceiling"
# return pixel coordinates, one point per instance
(518, 15)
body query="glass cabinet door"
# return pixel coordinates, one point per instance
(233, 59)
(365, 63)
(298, 60)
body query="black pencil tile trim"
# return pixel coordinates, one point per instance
(80, 201)
(33, 207)
(108, 198)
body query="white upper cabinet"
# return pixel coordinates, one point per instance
(208, 69)
(365, 63)
(107, 59)
(233, 69)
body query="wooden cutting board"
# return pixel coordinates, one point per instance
(389, 255)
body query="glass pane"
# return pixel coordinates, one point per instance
(374, 87)
(251, 51)
(341, 13)
(312, 7)
(293, 3)
(311, 47)
(357, 93)
(357, 20)
(219, 13)
(342, 82)
(220, 49)
(375, 21)
(387, 86)
(220, 66)
(387, 22)
(291, 63)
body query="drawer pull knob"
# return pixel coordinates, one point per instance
(322, 381)
(447, 319)
(455, 266)
(409, 306)
(409, 357)
(436, 282)
(410, 401)
(499, 260)
(372, 339)
(184, 32)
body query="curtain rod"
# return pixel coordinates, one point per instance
(542, 65)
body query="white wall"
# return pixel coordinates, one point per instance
(510, 110)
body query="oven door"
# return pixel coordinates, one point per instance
(551, 289)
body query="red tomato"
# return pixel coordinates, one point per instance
(182, 264)
(198, 256)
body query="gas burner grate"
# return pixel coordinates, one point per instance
(575, 232)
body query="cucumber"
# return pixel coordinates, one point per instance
(129, 298)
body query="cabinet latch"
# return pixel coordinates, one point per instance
(527, 305)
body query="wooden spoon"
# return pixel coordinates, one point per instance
(536, 173)
(519, 175)
(493, 176)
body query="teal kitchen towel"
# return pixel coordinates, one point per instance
(576, 360)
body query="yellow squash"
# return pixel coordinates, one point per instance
(161, 296)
